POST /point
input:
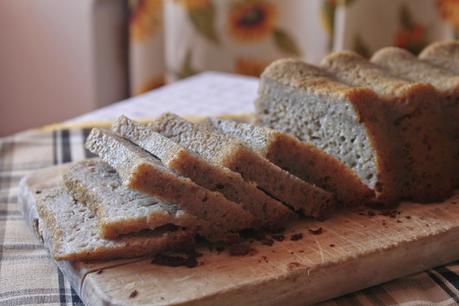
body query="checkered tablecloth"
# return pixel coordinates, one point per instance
(29, 277)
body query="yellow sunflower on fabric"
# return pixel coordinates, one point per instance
(449, 10)
(193, 4)
(146, 18)
(250, 67)
(251, 20)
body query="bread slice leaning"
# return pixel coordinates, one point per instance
(344, 122)
(414, 111)
(405, 65)
(299, 158)
(119, 209)
(444, 54)
(265, 210)
(143, 172)
(72, 232)
(226, 151)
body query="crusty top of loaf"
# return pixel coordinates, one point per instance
(444, 54)
(404, 64)
(351, 68)
(449, 48)
(298, 74)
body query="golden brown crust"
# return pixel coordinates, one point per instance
(141, 171)
(72, 233)
(405, 65)
(444, 54)
(414, 110)
(296, 75)
(277, 182)
(313, 165)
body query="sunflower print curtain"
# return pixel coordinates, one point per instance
(174, 39)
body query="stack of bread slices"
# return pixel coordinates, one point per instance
(349, 132)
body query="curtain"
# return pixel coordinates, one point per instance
(174, 39)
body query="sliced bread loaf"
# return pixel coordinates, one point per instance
(299, 158)
(444, 54)
(141, 171)
(265, 210)
(414, 110)
(73, 234)
(304, 101)
(227, 151)
(405, 65)
(119, 209)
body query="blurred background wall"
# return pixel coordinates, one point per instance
(59, 59)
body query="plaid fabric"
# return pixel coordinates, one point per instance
(29, 277)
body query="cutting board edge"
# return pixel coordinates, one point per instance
(319, 281)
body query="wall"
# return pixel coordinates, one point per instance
(54, 65)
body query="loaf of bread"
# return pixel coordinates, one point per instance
(143, 172)
(119, 209)
(444, 54)
(299, 158)
(265, 210)
(405, 65)
(414, 110)
(346, 123)
(73, 233)
(228, 152)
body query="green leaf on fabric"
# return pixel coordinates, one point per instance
(187, 67)
(285, 42)
(203, 20)
(405, 17)
(360, 47)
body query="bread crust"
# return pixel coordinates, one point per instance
(415, 112)
(119, 210)
(228, 152)
(297, 76)
(265, 210)
(72, 233)
(444, 54)
(143, 172)
(405, 65)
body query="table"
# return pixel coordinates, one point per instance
(27, 275)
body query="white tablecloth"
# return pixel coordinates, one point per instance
(209, 93)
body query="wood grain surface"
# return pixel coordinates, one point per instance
(355, 250)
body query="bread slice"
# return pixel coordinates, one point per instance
(265, 210)
(405, 65)
(304, 101)
(143, 172)
(415, 112)
(228, 152)
(299, 158)
(72, 231)
(119, 209)
(444, 54)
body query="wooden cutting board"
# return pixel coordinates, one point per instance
(355, 250)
